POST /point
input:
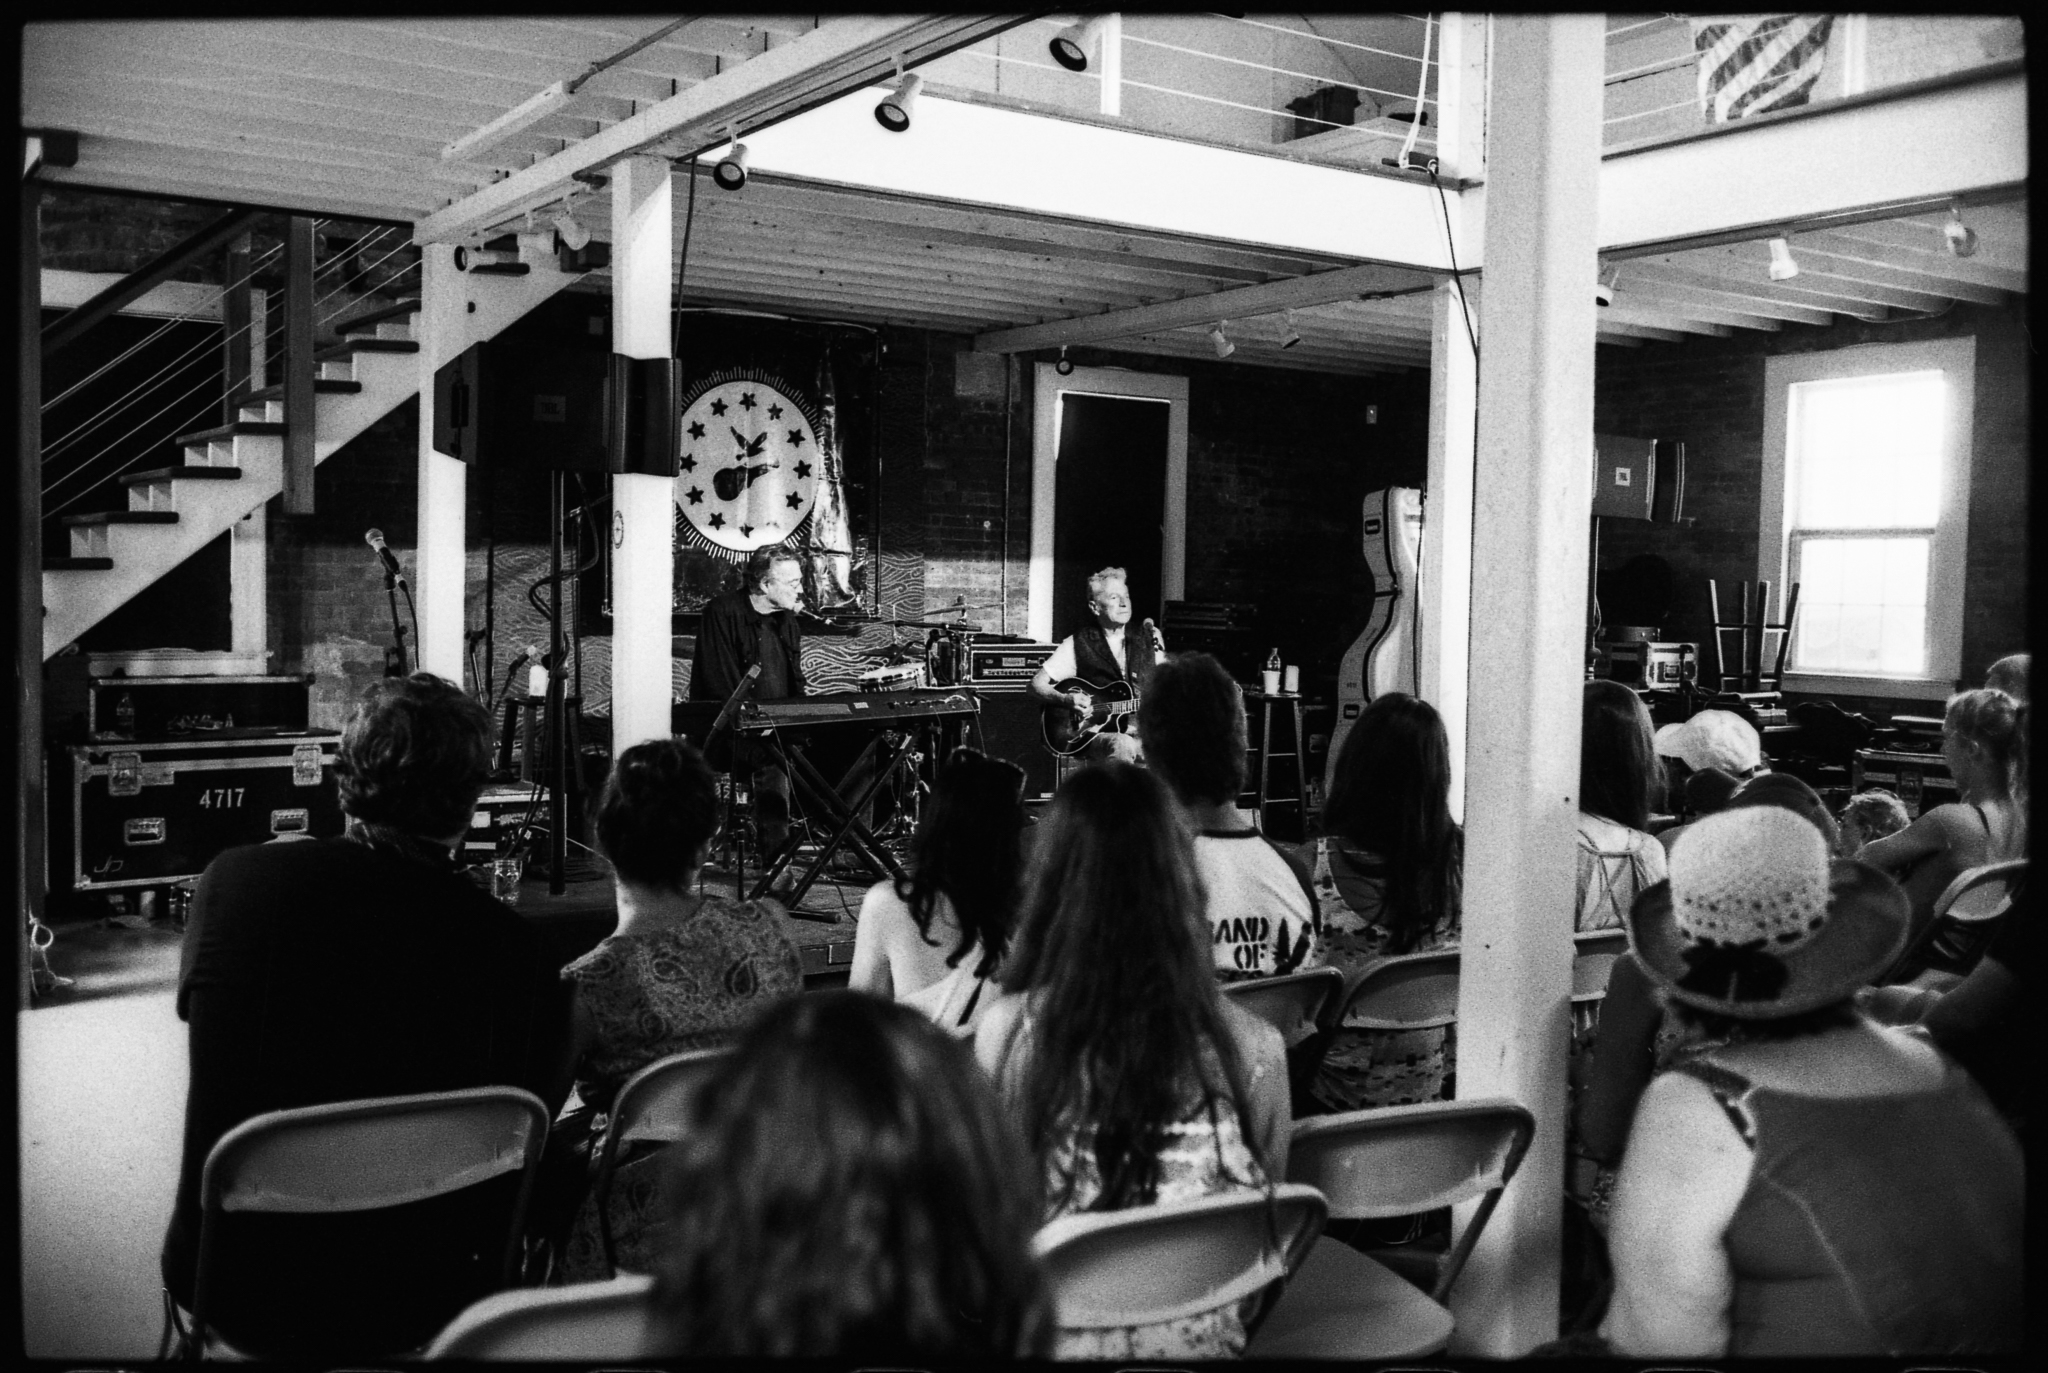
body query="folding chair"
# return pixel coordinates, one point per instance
(364, 1156)
(652, 1106)
(1295, 1004)
(1396, 1160)
(1413, 991)
(580, 1323)
(1150, 1264)
(1974, 899)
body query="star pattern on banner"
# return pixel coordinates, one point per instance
(746, 529)
(718, 407)
(766, 483)
(795, 500)
(696, 430)
(687, 462)
(717, 521)
(747, 401)
(803, 471)
(774, 412)
(796, 438)
(695, 495)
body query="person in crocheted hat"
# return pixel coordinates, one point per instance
(1800, 1158)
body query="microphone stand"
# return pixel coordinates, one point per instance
(397, 627)
(724, 721)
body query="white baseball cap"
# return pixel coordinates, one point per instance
(1713, 739)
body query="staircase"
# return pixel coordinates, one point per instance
(232, 469)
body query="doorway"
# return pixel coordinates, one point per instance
(1109, 489)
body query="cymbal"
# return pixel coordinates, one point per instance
(960, 627)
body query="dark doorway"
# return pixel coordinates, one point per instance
(1109, 501)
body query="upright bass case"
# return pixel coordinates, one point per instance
(1382, 658)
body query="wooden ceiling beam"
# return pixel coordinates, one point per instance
(1684, 288)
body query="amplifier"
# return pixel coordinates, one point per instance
(149, 814)
(1920, 780)
(1005, 667)
(501, 813)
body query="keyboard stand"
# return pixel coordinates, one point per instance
(806, 780)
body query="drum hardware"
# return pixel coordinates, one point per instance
(893, 677)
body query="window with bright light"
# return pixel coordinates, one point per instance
(1867, 454)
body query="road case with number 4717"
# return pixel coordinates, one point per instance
(149, 814)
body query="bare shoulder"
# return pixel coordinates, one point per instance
(1258, 1043)
(999, 1025)
(1682, 1133)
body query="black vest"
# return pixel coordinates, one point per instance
(1094, 663)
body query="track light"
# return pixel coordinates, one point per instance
(1293, 335)
(1063, 367)
(893, 113)
(1783, 268)
(1224, 347)
(1960, 237)
(1070, 45)
(572, 233)
(469, 259)
(1603, 289)
(731, 171)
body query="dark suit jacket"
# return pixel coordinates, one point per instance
(728, 643)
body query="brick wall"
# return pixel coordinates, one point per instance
(1709, 393)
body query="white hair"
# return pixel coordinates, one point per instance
(1099, 580)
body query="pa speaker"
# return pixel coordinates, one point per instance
(523, 408)
(1667, 506)
(640, 415)
(1010, 729)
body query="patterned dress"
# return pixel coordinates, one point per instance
(1365, 1067)
(1616, 865)
(674, 985)
(1205, 1154)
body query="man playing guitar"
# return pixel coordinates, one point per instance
(1099, 660)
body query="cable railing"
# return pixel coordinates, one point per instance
(116, 457)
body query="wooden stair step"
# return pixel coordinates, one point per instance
(122, 517)
(369, 319)
(321, 385)
(228, 431)
(183, 472)
(341, 352)
(53, 564)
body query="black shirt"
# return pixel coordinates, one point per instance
(733, 637)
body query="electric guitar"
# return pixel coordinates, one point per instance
(1067, 731)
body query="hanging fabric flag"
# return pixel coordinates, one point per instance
(1753, 63)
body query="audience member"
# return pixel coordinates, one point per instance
(684, 970)
(1980, 745)
(1868, 816)
(361, 966)
(2009, 675)
(1388, 880)
(1704, 792)
(1774, 1184)
(850, 1189)
(1133, 1079)
(933, 939)
(1617, 790)
(1261, 906)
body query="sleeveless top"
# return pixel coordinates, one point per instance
(1881, 1226)
(1094, 662)
(1616, 865)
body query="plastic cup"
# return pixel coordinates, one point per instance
(1292, 679)
(505, 880)
(1269, 681)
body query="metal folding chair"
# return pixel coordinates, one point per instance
(652, 1106)
(365, 1155)
(1396, 1160)
(580, 1323)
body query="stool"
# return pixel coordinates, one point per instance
(1265, 800)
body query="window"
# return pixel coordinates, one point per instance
(1866, 485)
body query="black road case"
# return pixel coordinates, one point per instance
(149, 814)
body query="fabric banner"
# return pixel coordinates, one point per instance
(1749, 64)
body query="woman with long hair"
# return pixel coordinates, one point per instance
(1981, 744)
(1618, 786)
(935, 938)
(850, 1188)
(1132, 1079)
(1388, 880)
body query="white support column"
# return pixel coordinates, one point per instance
(643, 507)
(248, 582)
(440, 566)
(1446, 599)
(1461, 98)
(1533, 492)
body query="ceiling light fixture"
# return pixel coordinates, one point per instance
(1063, 367)
(569, 229)
(893, 113)
(1960, 237)
(1603, 288)
(468, 259)
(731, 171)
(1069, 47)
(1783, 267)
(1293, 335)
(1224, 347)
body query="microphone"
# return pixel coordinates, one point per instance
(375, 539)
(1152, 631)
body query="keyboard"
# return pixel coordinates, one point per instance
(856, 707)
